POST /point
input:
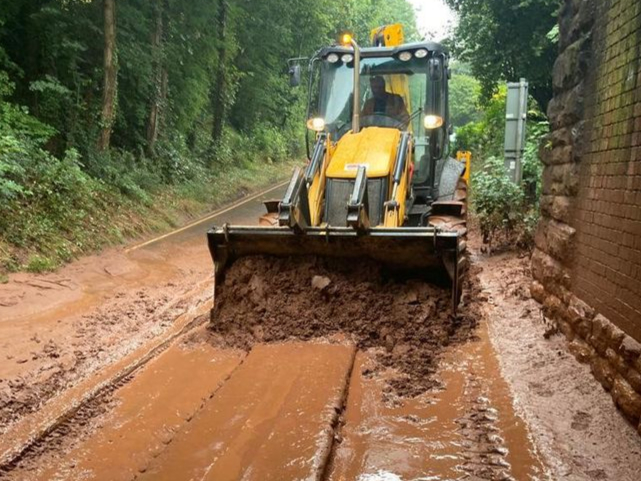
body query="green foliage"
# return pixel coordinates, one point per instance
(504, 40)
(484, 138)
(60, 196)
(507, 213)
(497, 201)
(464, 94)
(39, 263)
(361, 16)
(538, 129)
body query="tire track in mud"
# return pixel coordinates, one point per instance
(484, 450)
(324, 470)
(19, 439)
(82, 447)
(64, 432)
(338, 421)
(405, 323)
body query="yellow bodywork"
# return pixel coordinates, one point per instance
(376, 149)
(388, 35)
(465, 156)
(373, 147)
(396, 217)
(317, 188)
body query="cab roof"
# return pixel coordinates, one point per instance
(385, 51)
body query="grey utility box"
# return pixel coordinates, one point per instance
(515, 120)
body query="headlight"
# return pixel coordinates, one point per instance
(405, 56)
(432, 122)
(317, 124)
(332, 58)
(347, 58)
(420, 53)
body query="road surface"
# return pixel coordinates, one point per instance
(110, 370)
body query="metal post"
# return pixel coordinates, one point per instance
(356, 115)
(520, 133)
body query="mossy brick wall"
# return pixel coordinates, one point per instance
(587, 261)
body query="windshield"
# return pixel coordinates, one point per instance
(394, 93)
(389, 88)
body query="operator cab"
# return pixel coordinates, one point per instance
(402, 87)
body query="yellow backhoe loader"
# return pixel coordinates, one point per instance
(379, 183)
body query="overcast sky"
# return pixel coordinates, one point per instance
(434, 18)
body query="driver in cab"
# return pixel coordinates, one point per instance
(384, 103)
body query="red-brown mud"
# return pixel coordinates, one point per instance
(426, 398)
(466, 430)
(266, 299)
(573, 421)
(58, 329)
(272, 420)
(126, 429)
(91, 314)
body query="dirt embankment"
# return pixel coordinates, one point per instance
(268, 299)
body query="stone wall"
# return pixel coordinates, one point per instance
(587, 261)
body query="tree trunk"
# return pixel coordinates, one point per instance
(160, 80)
(219, 101)
(110, 75)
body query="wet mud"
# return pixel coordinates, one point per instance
(266, 299)
(91, 342)
(467, 429)
(316, 369)
(573, 421)
(272, 420)
(64, 327)
(116, 436)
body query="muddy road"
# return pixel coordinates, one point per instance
(313, 370)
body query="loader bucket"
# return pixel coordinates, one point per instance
(425, 250)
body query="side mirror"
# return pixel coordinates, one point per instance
(294, 75)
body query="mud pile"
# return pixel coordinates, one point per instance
(264, 299)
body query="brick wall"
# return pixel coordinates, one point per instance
(607, 271)
(587, 261)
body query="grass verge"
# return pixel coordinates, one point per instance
(41, 236)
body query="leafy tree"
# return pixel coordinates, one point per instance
(110, 68)
(361, 16)
(504, 40)
(464, 96)
(104, 103)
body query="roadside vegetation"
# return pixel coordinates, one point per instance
(497, 41)
(122, 117)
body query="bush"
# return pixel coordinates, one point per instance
(498, 201)
(502, 209)
(507, 213)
